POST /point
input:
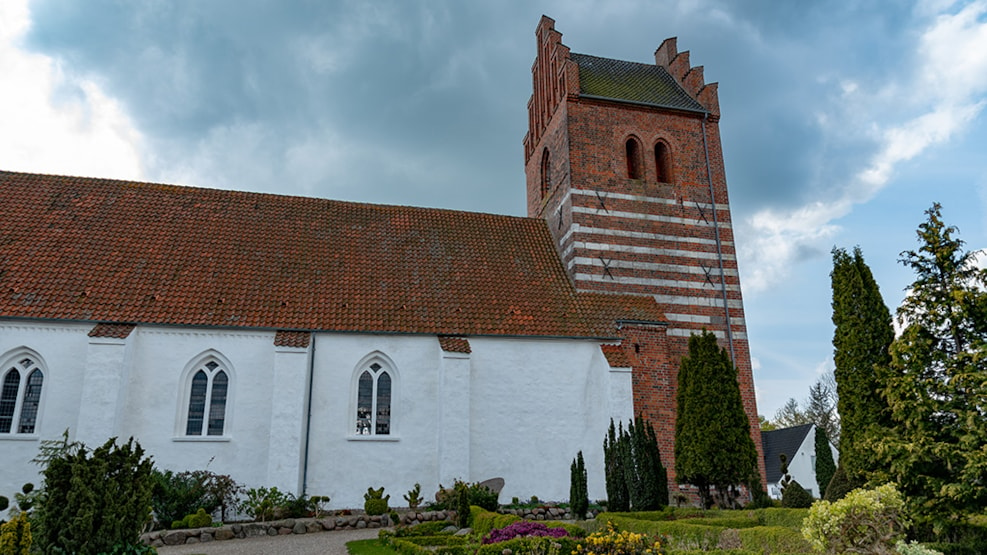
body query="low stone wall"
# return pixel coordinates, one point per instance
(284, 527)
(544, 513)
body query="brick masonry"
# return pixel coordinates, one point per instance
(672, 240)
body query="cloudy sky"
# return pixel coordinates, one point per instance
(842, 121)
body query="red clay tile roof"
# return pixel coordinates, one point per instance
(454, 344)
(616, 356)
(88, 249)
(118, 331)
(292, 338)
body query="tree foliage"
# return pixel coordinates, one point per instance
(937, 385)
(825, 467)
(863, 333)
(92, 503)
(618, 498)
(713, 444)
(578, 489)
(635, 475)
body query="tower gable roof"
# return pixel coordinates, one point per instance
(632, 82)
(102, 250)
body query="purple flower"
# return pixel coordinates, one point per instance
(523, 529)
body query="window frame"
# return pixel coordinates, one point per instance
(12, 361)
(386, 366)
(201, 364)
(546, 173)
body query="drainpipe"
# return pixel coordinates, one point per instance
(308, 416)
(719, 246)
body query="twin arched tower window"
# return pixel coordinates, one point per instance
(20, 396)
(634, 156)
(373, 401)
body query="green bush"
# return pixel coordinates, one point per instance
(178, 494)
(375, 502)
(94, 502)
(198, 519)
(794, 496)
(375, 507)
(866, 519)
(447, 499)
(265, 504)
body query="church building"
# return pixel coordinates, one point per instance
(325, 347)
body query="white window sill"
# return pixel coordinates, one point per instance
(372, 438)
(203, 439)
(18, 437)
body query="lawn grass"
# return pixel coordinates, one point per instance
(369, 547)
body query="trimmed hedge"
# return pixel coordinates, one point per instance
(432, 541)
(431, 528)
(483, 521)
(788, 518)
(774, 539)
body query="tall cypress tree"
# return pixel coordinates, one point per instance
(825, 467)
(861, 340)
(618, 498)
(713, 444)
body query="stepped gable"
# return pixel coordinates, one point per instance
(123, 252)
(633, 82)
(776, 442)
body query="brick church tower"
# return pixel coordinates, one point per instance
(623, 160)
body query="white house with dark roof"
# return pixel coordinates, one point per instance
(798, 443)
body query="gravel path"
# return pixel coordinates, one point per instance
(324, 543)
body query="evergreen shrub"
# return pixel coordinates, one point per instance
(431, 528)
(94, 502)
(794, 496)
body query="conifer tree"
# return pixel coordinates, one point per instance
(860, 351)
(646, 478)
(618, 499)
(713, 444)
(937, 385)
(825, 467)
(578, 492)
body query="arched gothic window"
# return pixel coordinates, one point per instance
(546, 173)
(663, 162)
(635, 164)
(208, 390)
(373, 400)
(20, 395)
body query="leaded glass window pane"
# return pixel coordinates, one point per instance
(32, 398)
(384, 404)
(217, 404)
(8, 399)
(197, 404)
(364, 403)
